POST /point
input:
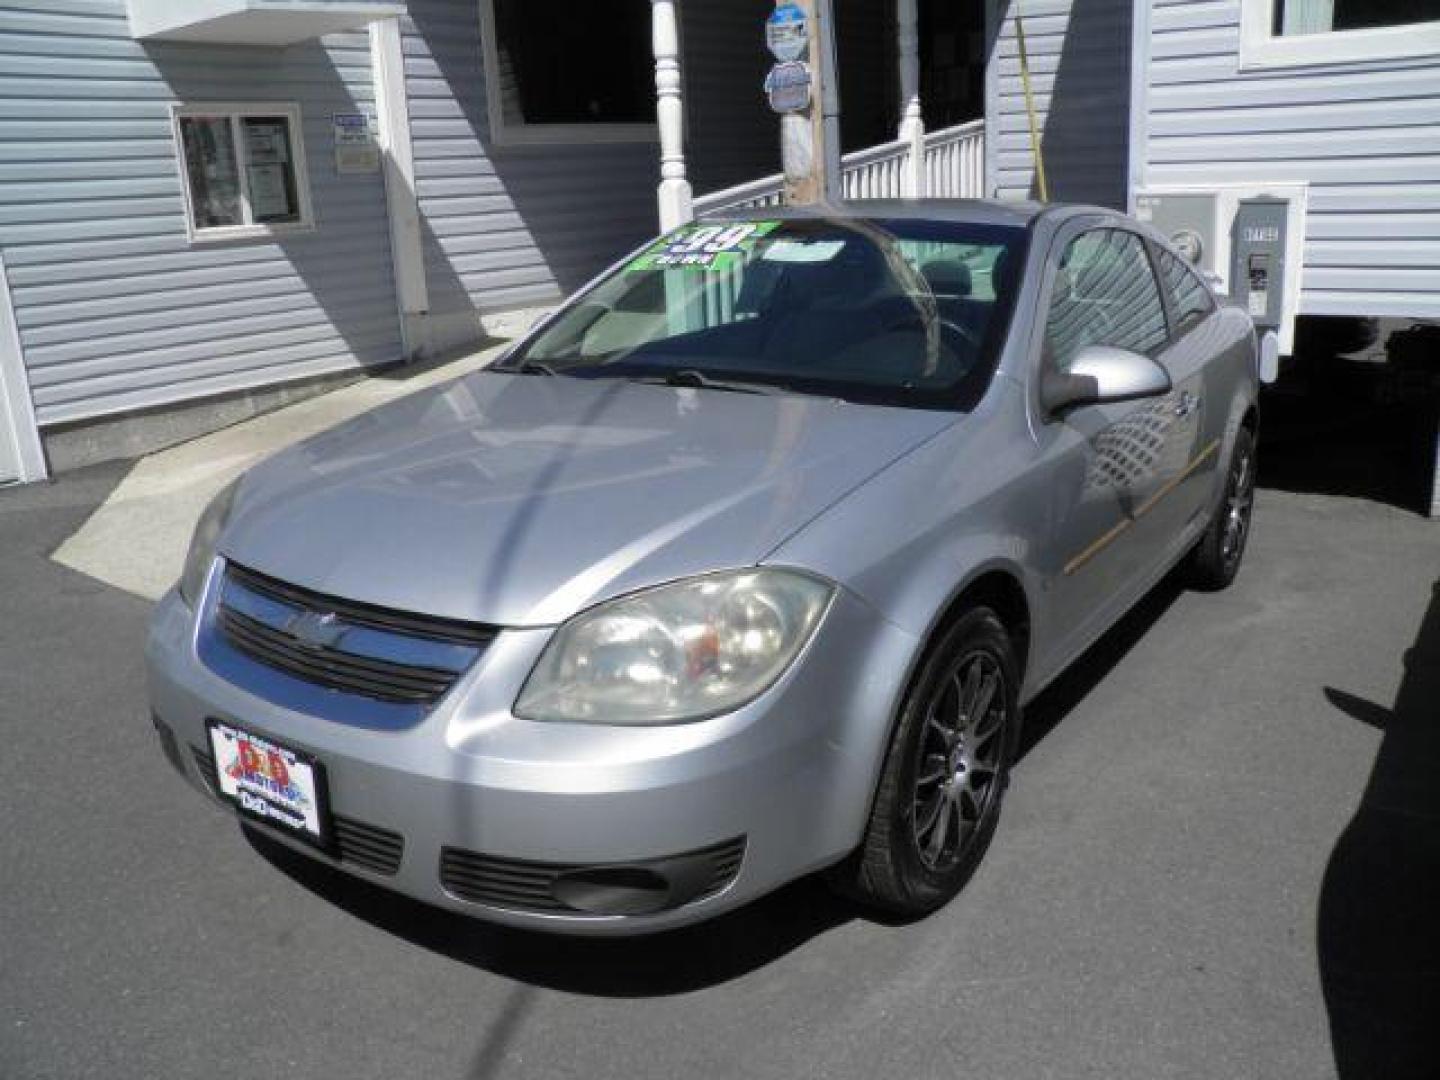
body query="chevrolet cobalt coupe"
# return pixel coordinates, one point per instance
(740, 566)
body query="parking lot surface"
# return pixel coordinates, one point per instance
(1214, 862)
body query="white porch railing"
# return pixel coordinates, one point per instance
(877, 172)
(955, 162)
(953, 168)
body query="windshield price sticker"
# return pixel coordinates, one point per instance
(704, 247)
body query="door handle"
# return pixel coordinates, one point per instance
(1187, 404)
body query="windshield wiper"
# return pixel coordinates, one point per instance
(698, 380)
(532, 367)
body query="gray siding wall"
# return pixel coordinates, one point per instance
(1365, 136)
(117, 309)
(506, 226)
(1080, 75)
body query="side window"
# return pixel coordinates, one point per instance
(1104, 294)
(1189, 297)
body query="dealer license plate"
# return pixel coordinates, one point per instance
(271, 783)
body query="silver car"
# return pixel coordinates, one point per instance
(740, 566)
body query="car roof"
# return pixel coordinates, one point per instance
(976, 211)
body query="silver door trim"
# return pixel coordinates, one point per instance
(1106, 538)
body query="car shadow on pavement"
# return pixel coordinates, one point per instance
(655, 965)
(1057, 700)
(1379, 925)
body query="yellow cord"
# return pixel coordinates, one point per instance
(1040, 184)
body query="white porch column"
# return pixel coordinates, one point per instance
(407, 253)
(912, 122)
(675, 196)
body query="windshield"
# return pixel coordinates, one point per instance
(894, 312)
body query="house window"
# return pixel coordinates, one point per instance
(243, 169)
(586, 77)
(1280, 33)
(1320, 16)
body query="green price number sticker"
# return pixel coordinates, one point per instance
(704, 247)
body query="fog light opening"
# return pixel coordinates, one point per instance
(614, 890)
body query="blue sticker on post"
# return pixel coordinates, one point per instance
(787, 87)
(704, 247)
(787, 32)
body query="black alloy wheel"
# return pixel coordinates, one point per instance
(944, 773)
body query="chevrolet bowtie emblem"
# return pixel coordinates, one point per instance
(315, 630)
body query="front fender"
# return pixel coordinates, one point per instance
(912, 539)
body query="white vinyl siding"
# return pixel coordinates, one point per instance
(117, 309)
(1080, 77)
(1361, 134)
(514, 226)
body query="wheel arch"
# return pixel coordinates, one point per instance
(996, 584)
(999, 588)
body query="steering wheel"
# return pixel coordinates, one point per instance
(954, 330)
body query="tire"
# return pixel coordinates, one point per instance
(1216, 558)
(966, 755)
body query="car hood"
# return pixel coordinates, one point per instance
(519, 500)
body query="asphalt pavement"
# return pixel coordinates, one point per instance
(1212, 863)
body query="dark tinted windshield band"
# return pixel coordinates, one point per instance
(899, 312)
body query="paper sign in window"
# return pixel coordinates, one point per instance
(212, 171)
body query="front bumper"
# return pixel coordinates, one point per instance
(789, 775)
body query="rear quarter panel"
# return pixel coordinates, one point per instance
(1232, 385)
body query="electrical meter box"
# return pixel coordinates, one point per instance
(1257, 259)
(1191, 221)
(1246, 237)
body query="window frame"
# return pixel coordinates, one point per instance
(1155, 249)
(235, 113)
(504, 133)
(1260, 48)
(1061, 244)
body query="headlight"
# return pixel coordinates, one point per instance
(679, 652)
(202, 544)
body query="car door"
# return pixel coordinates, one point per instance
(1106, 461)
(1193, 436)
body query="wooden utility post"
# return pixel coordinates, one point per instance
(809, 137)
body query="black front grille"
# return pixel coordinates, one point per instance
(522, 885)
(406, 623)
(359, 843)
(335, 669)
(258, 615)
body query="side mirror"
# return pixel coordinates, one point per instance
(1101, 373)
